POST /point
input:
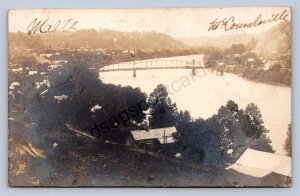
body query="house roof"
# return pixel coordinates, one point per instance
(155, 133)
(257, 163)
(254, 172)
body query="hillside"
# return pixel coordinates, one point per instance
(92, 39)
(103, 164)
(275, 40)
(223, 41)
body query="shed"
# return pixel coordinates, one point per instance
(152, 139)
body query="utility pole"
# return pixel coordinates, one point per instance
(164, 136)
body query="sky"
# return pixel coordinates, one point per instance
(177, 22)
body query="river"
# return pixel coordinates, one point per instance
(204, 93)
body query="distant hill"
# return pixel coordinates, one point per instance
(92, 39)
(223, 41)
(275, 40)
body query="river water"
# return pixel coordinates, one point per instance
(204, 93)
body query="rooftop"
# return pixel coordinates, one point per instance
(257, 163)
(160, 134)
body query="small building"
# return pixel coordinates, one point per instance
(250, 59)
(251, 63)
(151, 140)
(17, 70)
(47, 55)
(14, 85)
(269, 64)
(262, 169)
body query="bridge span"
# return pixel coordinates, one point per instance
(153, 64)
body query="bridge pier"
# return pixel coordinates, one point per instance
(194, 71)
(134, 73)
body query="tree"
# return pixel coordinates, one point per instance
(231, 129)
(257, 131)
(225, 136)
(82, 91)
(240, 129)
(161, 109)
(238, 48)
(252, 122)
(184, 116)
(288, 142)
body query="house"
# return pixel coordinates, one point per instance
(250, 59)
(17, 70)
(46, 55)
(151, 140)
(128, 51)
(262, 168)
(269, 64)
(251, 63)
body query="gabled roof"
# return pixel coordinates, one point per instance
(257, 163)
(155, 133)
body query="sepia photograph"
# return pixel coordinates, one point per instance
(152, 97)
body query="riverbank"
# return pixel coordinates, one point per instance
(263, 76)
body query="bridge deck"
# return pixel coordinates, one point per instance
(151, 65)
(148, 68)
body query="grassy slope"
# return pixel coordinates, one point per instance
(81, 162)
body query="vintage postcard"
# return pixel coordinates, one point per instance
(164, 97)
